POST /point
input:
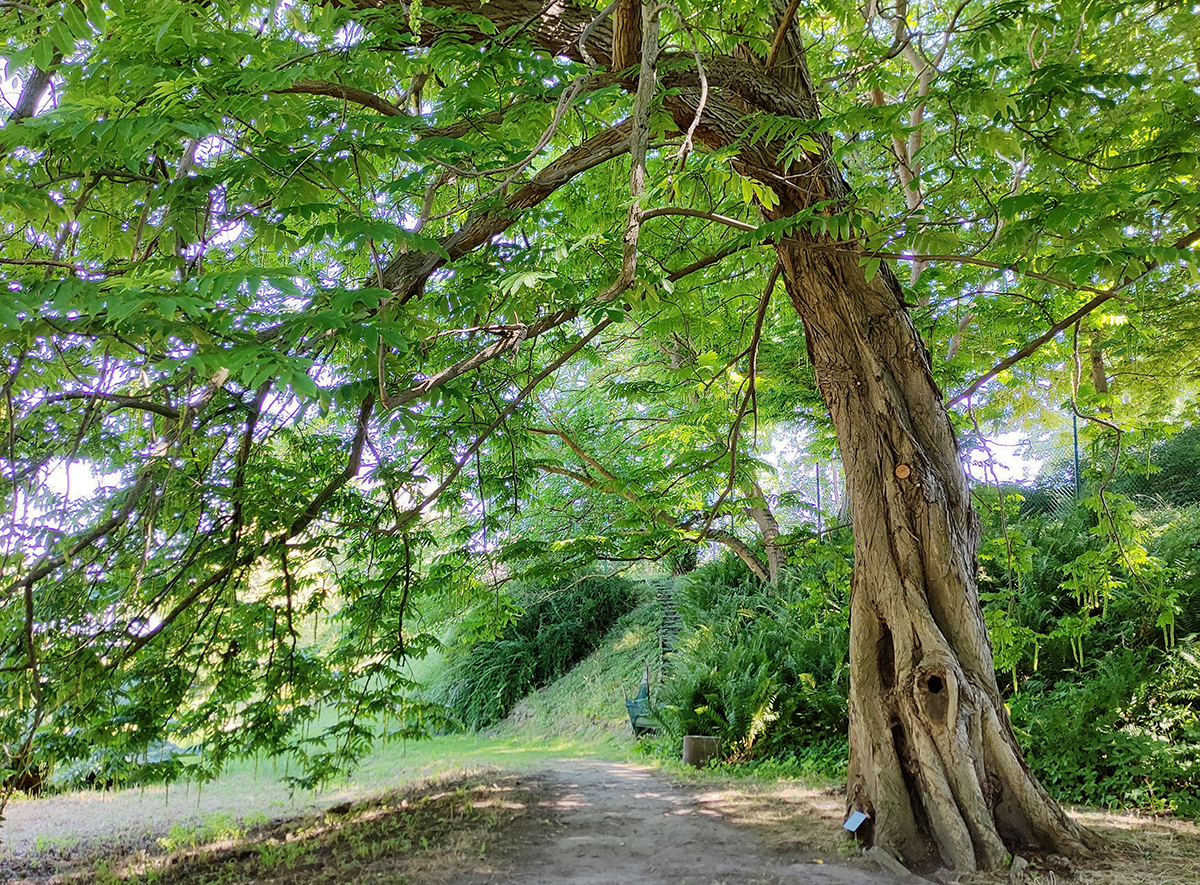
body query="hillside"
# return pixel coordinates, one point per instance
(588, 703)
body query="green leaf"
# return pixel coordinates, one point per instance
(76, 21)
(43, 53)
(95, 14)
(165, 29)
(63, 39)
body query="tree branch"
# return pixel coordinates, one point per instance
(31, 93)
(616, 486)
(414, 512)
(407, 273)
(346, 93)
(127, 402)
(1036, 344)
(781, 32)
(133, 495)
(313, 510)
(310, 513)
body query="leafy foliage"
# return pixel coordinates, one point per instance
(764, 670)
(1093, 615)
(561, 623)
(1125, 734)
(253, 257)
(1107, 703)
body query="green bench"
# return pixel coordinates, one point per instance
(638, 707)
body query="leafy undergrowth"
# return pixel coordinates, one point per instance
(428, 832)
(560, 622)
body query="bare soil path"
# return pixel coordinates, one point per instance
(566, 821)
(609, 823)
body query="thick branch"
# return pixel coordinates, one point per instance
(407, 273)
(346, 93)
(126, 402)
(31, 93)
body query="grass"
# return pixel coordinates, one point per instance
(429, 831)
(589, 701)
(581, 715)
(136, 816)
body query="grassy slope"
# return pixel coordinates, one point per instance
(588, 703)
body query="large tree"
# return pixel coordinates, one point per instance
(290, 281)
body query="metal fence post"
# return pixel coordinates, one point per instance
(1075, 434)
(820, 527)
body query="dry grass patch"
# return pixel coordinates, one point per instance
(1140, 850)
(804, 824)
(429, 832)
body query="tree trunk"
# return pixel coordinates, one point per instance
(1099, 375)
(768, 527)
(933, 760)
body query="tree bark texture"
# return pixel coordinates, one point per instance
(933, 759)
(627, 34)
(768, 527)
(1099, 373)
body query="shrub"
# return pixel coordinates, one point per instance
(1127, 734)
(559, 626)
(763, 668)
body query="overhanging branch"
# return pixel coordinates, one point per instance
(346, 93)
(613, 485)
(1033, 346)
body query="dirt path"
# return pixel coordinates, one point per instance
(608, 823)
(577, 821)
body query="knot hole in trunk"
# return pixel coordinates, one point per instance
(885, 658)
(935, 696)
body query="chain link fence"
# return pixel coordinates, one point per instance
(1055, 468)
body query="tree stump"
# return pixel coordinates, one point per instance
(698, 749)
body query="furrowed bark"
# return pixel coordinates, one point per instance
(933, 759)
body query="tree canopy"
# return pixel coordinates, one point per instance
(322, 320)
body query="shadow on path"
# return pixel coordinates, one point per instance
(608, 823)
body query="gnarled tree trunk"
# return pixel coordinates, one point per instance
(933, 760)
